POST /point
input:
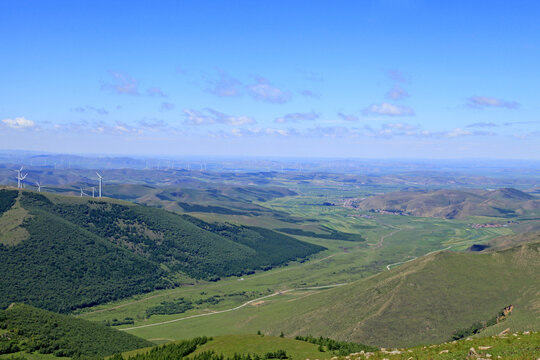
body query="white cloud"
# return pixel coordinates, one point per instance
(480, 102)
(167, 106)
(83, 109)
(225, 86)
(209, 116)
(155, 91)
(347, 117)
(19, 123)
(397, 93)
(123, 84)
(388, 109)
(396, 76)
(262, 90)
(260, 132)
(482, 124)
(457, 133)
(309, 93)
(296, 117)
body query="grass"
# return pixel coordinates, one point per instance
(389, 239)
(343, 262)
(442, 292)
(515, 346)
(228, 345)
(32, 356)
(11, 233)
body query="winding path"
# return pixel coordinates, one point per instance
(381, 240)
(416, 257)
(234, 308)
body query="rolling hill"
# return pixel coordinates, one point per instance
(26, 329)
(74, 252)
(450, 204)
(426, 300)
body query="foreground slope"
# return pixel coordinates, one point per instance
(28, 329)
(426, 300)
(422, 301)
(507, 345)
(80, 252)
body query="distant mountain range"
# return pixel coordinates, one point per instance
(451, 204)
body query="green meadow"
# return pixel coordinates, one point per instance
(389, 239)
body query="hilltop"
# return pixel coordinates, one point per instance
(450, 204)
(75, 252)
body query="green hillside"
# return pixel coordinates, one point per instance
(420, 302)
(507, 345)
(427, 300)
(82, 252)
(27, 329)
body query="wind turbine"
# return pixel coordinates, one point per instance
(38, 186)
(93, 191)
(82, 191)
(100, 180)
(19, 177)
(22, 180)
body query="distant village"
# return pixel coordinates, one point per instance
(481, 226)
(389, 211)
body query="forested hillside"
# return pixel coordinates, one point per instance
(26, 328)
(83, 252)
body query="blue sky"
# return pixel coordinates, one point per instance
(370, 79)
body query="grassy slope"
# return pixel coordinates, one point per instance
(515, 346)
(49, 333)
(423, 301)
(426, 300)
(228, 345)
(11, 232)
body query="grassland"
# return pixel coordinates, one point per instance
(228, 345)
(277, 300)
(11, 232)
(512, 345)
(515, 346)
(390, 239)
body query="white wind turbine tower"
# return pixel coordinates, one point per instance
(22, 180)
(93, 191)
(19, 177)
(100, 180)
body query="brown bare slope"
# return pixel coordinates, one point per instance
(506, 202)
